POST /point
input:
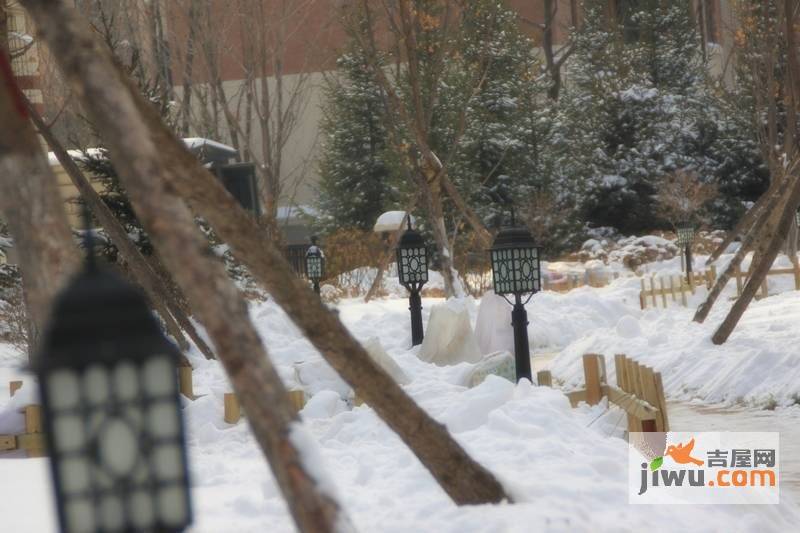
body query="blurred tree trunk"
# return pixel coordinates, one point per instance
(32, 207)
(143, 170)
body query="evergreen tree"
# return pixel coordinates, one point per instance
(497, 162)
(638, 107)
(356, 177)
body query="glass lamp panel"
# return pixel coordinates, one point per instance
(142, 510)
(158, 376)
(118, 447)
(112, 513)
(68, 432)
(126, 381)
(163, 420)
(79, 515)
(96, 384)
(172, 507)
(168, 462)
(63, 389)
(75, 475)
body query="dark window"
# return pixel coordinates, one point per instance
(240, 180)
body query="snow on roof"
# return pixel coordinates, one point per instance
(77, 155)
(198, 143)
(194, 144)
(390, 221)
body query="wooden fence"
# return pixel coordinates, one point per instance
(32, 440)
(741, 279)
(657, 290)
(676, 287)
(639, 391)
(233, 412)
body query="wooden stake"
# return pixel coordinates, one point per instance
(33, 425)
(662, 402)
(592, 374)
(643, 296)
(13, 387)
(672, 289)
(185, 385)
(297, 398)
(544, 378)
(650, 396)
(619, 367)
(663, 292)
(653, 290)
(233, 412)
(684, 302)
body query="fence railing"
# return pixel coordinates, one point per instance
(639, 391)
(676, 287)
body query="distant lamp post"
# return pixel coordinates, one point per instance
(111, 410)
(685, 239)
(412, 269)
(315, 263)
(516, 269)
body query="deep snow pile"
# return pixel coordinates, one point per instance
(758, 365)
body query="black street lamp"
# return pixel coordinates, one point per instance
(516, 269)
(112, 413)
(412, 270)
(685, 239)
(315, 263)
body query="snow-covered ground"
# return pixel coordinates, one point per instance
(567, 468)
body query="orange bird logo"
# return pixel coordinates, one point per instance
(682, 453)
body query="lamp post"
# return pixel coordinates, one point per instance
(315, 263)
(685, 238)
(516, 270)
(112, 414)
(412, 270)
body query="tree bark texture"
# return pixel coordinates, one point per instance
(32, 207)
(759, 217)
(143, 170)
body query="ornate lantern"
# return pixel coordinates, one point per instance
(685, 239)
(685, 236)
(516, 269)
(112, 412)
(412, 270)
(315, 263)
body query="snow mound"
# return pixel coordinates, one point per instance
(449, 339)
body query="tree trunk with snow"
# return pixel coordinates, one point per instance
(774, 235)
(32, 207)
(143, 170)
(758, 215)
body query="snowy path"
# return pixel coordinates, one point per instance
(685, 416)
